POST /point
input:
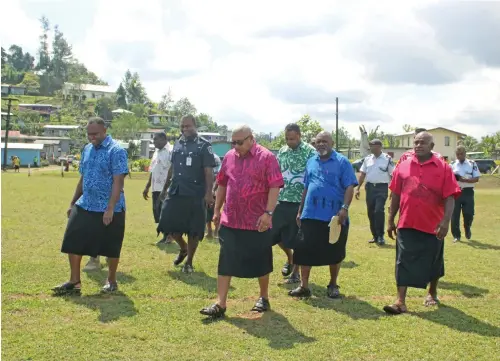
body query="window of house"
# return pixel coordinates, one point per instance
(152, 135)
(93, 96)
(446, 141)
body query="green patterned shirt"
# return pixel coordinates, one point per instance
(293, 165)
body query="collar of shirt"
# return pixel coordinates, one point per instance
(184, 139)
(105, 143)
(433, 159)
(251, 152)
(333, 156)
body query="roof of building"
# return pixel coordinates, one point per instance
(47, 141)
(5, 114)
(13, 86)
(13, 134)
(210, 134)
(63, 127)
(153, 130)
(119, 110)
(90, 87)
(38, 105)
(32, 146)
(158, 115)
(431, 129)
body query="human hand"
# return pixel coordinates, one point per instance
(299, 223)
(216, 218)
(442, 229)
(264, 222)
(391, 228)
(107, 218)
(356, 194)
(342, 216)
(68, 212)
(145, 193)
(209, 200)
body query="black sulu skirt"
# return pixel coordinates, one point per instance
(419, 258)
(314, 249)
(245, 253)
(86, 234)
(183, 215)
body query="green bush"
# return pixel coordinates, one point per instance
(44, 163)
(141, 165)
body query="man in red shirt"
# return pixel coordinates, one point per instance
(249, 182)
(424, 189)
(411, 152)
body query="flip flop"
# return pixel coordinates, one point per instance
(395, 309)
(431, 301)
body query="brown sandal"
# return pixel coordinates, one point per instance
(395, 309)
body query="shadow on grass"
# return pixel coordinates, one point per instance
(480, 245)
(460, 321)
(198, 279)
(350, 306)
(172, 248)
(272, 326)
(111, 307)
(467, 290)
(101, 276)
(349, 264)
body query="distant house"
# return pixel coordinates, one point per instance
(213, 137)
(14, 89)
(149, 133)
(45, 110)
(86, 91)
(25, 151)
(158, 118)
(445, 140)
(59, 130)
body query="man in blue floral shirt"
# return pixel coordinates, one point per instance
(96, 224)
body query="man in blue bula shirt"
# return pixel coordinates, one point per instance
(96, 224)
(329, 186)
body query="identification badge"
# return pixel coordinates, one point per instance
(188, 161)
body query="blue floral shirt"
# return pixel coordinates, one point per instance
(98, 165)
(326, 182)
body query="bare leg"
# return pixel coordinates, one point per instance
(191, 248)
(288, 252)
(305, 272)
(74, 264)
(223, 283)
(216, 232)
(180, 241)
(334, 273)
(432, 299)
(209, 230)
(264, 286)
(113, 266)
(401, 301)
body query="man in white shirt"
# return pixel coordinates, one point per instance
(467, 175)
(377, 169)
(160, 164)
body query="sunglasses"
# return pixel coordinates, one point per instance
(239, 142)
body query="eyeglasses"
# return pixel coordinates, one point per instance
(239, 142)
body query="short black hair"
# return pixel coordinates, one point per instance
(162, 135)
(191, 117)
(420, 130)
(97, 120)
(292, 127)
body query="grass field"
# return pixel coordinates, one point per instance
(155, 317)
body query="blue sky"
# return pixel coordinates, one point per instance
(427, 63)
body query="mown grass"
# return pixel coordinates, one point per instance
(155, 317)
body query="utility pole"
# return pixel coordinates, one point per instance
(337, 124)
(7, 127)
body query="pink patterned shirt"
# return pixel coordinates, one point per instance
(247, 180)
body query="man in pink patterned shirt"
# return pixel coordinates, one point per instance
(249, 182)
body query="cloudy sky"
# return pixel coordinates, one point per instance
(265, 63)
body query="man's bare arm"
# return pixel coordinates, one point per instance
(272, 199)
(116, 190)
(394, 207)
(349, 192)
(169, 180)
(209, 180)
(78, 191)
(361, 180)
(449, 206)
(220, 198)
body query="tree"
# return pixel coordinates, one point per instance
(4, 57)
(19, 60)
(127, 126)
(166, 102)
(184, 107)
(32, 82)
(43, 49)
(308, 128)
(78, 73)
(105, 106)
(121, 97)
(205, 120)
(490, 144)
(140, 110)
(470, 143)
(407, 128)
(61, 56)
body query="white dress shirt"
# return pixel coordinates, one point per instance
(468, 169)
(378, 169)
(160, 164)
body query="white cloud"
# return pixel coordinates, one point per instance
(254, 61)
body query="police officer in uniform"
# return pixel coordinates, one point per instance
(467, 175)
(377, 170)
(188, 191)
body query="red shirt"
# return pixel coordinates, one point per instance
(409, 154)
(247, 180)
(423, 189)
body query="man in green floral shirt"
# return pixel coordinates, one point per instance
(292, 158)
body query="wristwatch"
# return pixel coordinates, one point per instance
(344, 206)
(270, 213)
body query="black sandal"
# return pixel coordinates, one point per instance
(300, 292)
(68, 288)
(262, 305)
(287, 269)
(214, 311)
(180, 257)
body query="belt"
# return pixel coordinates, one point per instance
(377, 184)
(465, 188)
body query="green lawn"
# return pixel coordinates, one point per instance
(156, 315)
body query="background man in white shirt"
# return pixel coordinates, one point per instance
(377, 169)
(160, 164)
(467, 175)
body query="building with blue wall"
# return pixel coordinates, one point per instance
(24, 151)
